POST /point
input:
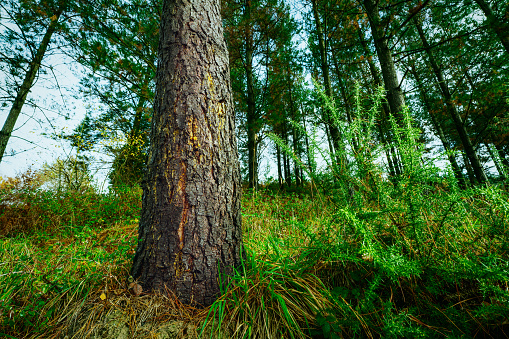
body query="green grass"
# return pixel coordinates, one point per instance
(410, 260)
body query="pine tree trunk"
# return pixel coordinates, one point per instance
(453, 111)
(391, 82)
(309, 155)
(251, 105)
(286, 158)
(279, 172)
(295, 132)
(333, 129)
(500, 29)
(190, 229)
(27, 84)
(296, 151)
(440, 132)
(383, 129)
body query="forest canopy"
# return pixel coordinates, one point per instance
(445, 62)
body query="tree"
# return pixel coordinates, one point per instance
(392, 86)
(117, 44)
(500, 27)
(451, 107)
(335, 133)
(190, 228)
(23, 56)
(252, 29)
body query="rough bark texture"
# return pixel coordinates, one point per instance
(190, 227)
(453, 111)
(391, 82)
(28, 82)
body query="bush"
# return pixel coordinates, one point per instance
(27, 208)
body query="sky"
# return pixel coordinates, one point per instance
(59, 109)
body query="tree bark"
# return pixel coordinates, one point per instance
(500, 29)
(440, 132)
(453, 111)
(309, 153)
(251, 103)
(295, 132)
(391, 82)
(296, 150)
(333, 129)
(383, 129)
(496, 161)
(286, 158)
(190, 229)
(28, 82)
(279, 172)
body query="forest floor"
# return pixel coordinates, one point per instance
(429, 263)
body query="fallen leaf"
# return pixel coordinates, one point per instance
(135, 288)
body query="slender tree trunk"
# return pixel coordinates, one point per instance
(333, 129)
(295, 132)
(391, 82)
(496, 160)
(501, 29)
(470, 171)
(453, 111)
(296, 148)
(251, 104)
(309, 155)
(329, 138)
(28, 82)
(279, 173)
(286, 159)
(383, 129)
(440, 132)
(502, 155)
(190, 238)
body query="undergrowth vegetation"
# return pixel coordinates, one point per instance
(351, 254)
(314, 269)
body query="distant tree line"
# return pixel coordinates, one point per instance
(445, 60)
